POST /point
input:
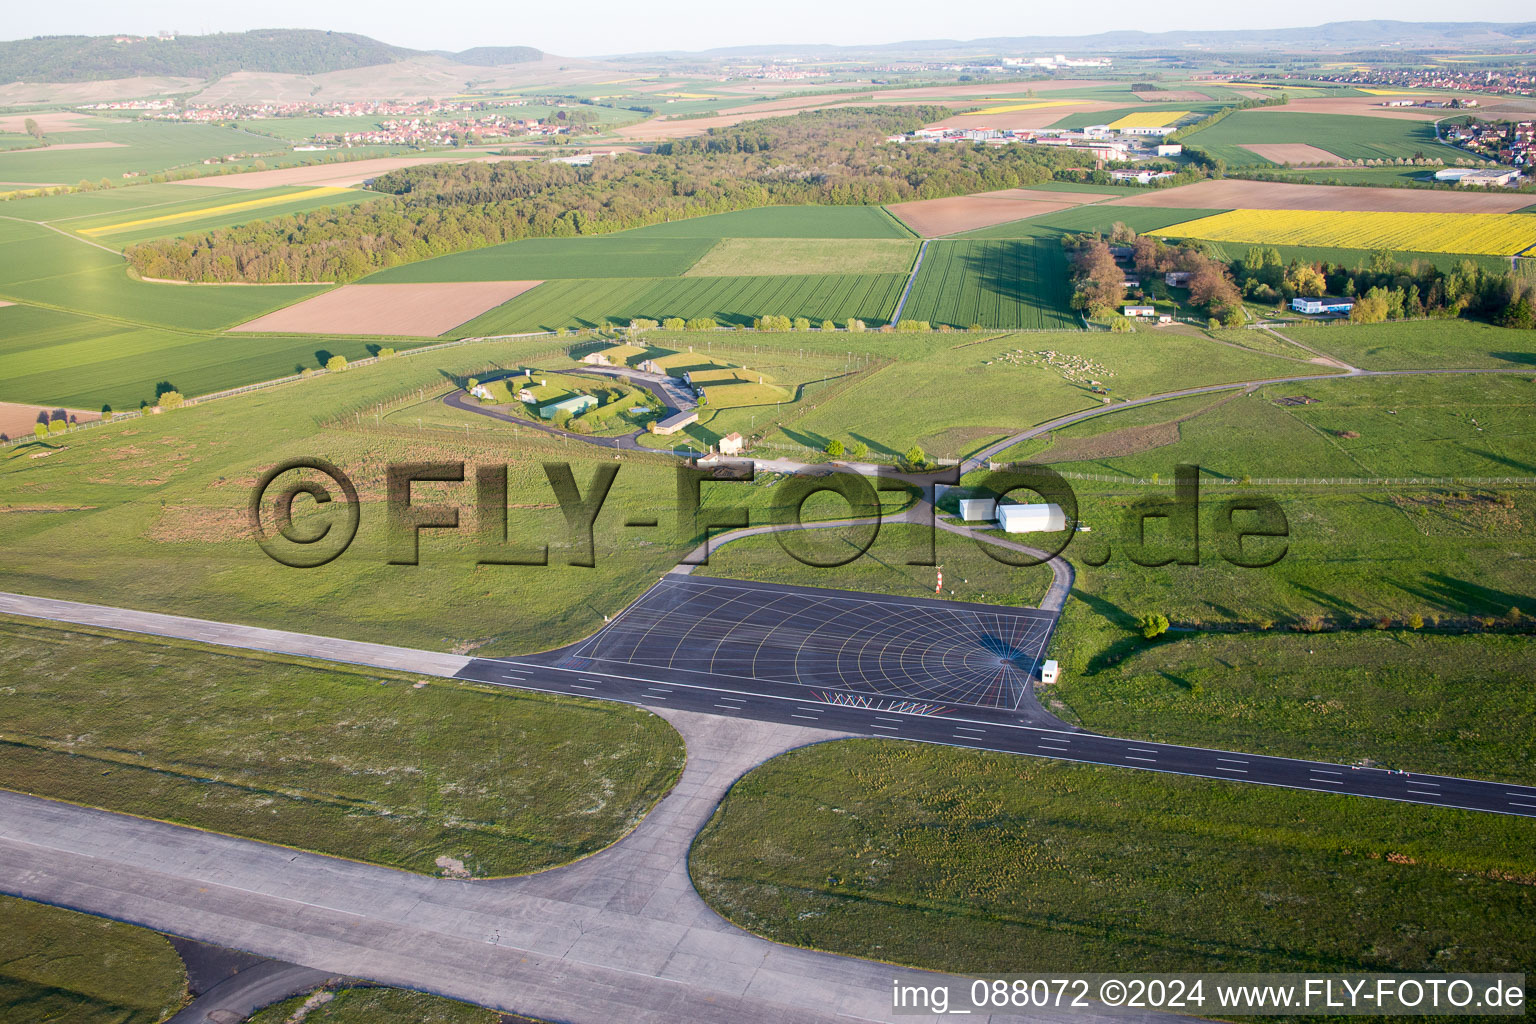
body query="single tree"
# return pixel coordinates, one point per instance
(835, 448)
(1153, 624)
(860, 450)
(916, 457)
(32, 128)
(336, 364)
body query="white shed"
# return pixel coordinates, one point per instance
(1037, 518)
(978, 509)
(1049, 672)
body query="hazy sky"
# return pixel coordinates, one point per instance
(622, 26)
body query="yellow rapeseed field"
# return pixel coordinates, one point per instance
(1489, 234)
(1027, 105)
(1149, 119)
(212, 211)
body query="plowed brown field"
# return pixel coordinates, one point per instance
(409, 310)
(932, 218)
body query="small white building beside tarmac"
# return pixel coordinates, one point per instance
(1049, 672)
(1039, 518)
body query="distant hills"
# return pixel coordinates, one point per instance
(281, 51)
(1333, 37)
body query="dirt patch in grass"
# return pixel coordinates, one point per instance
(1236, 194)
(1292, 153)
(52, 122)
(66, 145)
(1125, 441)
(422, 310)
(18, 418)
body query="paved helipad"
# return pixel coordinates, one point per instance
(824, 640)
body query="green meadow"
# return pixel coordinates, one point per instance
(965, 861)
(1010, 284)
(1350, 136)
(57, 965)
(138, 147)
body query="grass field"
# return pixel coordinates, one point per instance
(48, 268)
(57, 965)
(730, 300)
(1421, 344)
(970, 390)
(78, 361)
(1344, 135)
(1493, 234)
(1352, 258)
(999, 284)
(378, 1006)
(350, 762)
(1452, 705)
(965, 861)
(732, 257)
(140, 146)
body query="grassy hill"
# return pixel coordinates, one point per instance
(283, 51)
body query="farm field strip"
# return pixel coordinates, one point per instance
(418, 310)
(730, 300)
(998, 284)
(1491, 234)
(1009, 108)
(212, 211)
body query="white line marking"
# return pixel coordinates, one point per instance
(1325, 771)
(1331, 782)
(814, 718)
(1242, 770)
(654, 696)
(1516, 803)
(1141, 750)
(893, 728)
(1231, 760)
(1149, 760)
(734, 707)
(578, 686)
(966, 728)
(1424, 792)
(882, 718)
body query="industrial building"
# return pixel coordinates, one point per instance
(1037, 518)
(1315, 306)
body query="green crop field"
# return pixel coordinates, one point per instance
(57, 965)
(626, 254)
(1446, 261)
(1002, 284)
(964, 861)
(52, 269)
(67, 207)
(82, 362)
(730, 300)
(364, 764)
(1344, 135)
(141, 147)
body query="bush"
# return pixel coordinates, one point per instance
(58, 426)
(642, 324)
(856, 325)
(1153, 625)
(702, 323)
(771, 323)
(860, 450)
(173, 399)
(834, 448)
(802, 324)
(916, 457)
(673, 323)
(40, 430)
(336, 364)
(914, 326)
(386, 353)
(828, 325)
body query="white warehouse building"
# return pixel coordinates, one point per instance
(1039, 518)
(974, 510)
